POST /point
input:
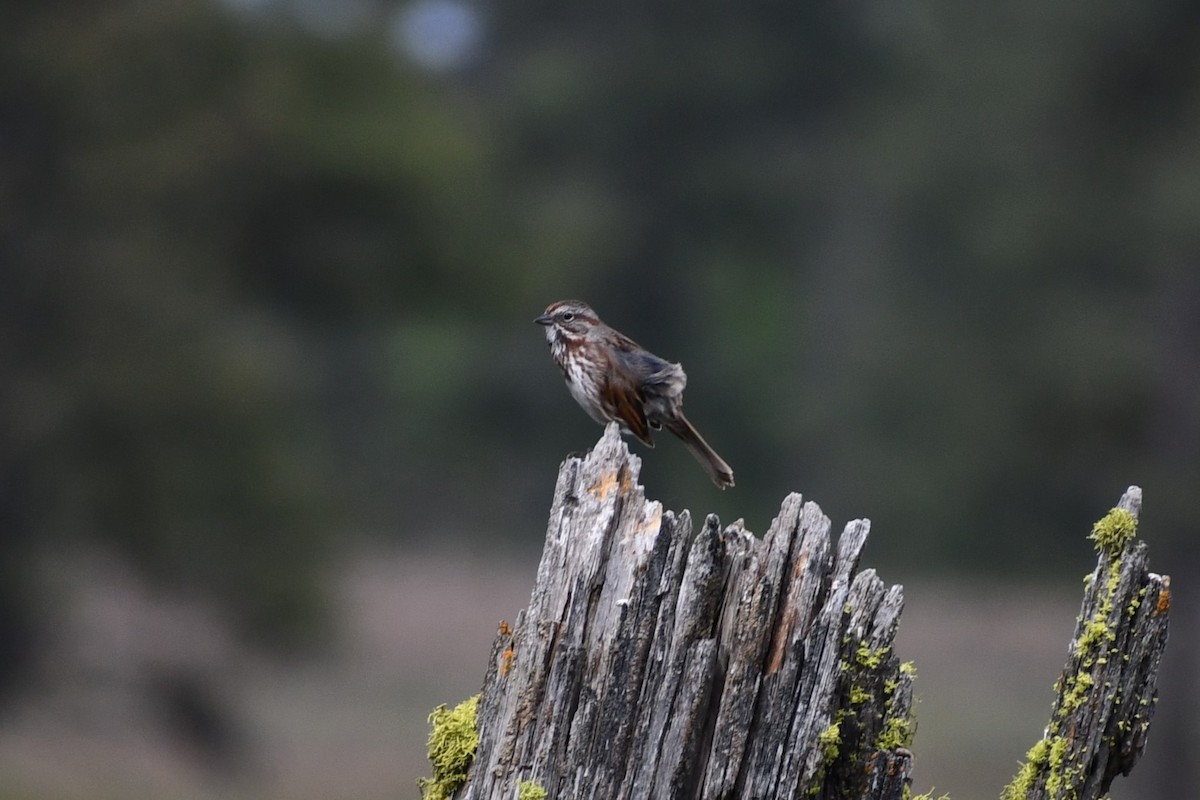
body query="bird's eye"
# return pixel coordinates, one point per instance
(568, 316)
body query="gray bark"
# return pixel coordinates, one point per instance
(651, 664)
(1107, 692)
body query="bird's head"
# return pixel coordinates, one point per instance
(567, 320)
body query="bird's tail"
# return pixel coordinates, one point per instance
(720, 472)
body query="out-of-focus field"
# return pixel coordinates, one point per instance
(417, 632)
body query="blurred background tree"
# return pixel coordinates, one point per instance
(269, 268)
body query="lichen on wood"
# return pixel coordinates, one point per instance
(453, 738)
(1107, 692)
(654, 664)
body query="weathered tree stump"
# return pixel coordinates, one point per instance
(653, 665)
(649, 665)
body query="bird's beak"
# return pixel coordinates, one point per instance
(544, 319)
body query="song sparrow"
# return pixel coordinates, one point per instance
(614, 378)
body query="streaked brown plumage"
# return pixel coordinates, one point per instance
(614, 378)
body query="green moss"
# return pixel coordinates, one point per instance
(1048, 755)
(1113, 530)
(1035, 759)
(898, 732)
(452, 744)
(1097, 631)
(1094, 632)
(830, 739)
(871, 659)
(1059, 774)
(927, 796)
(530, 790)
(858, 695)
(1136, 602)
(1114, 580)
(1079, 686)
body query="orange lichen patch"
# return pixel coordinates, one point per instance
(782, 634)
(1164, 597)
(504, 629)
(791, 615)
(801, 563)
(604, 487)
(506, 661)
(626, 482)
(651, 523)
(895, 766)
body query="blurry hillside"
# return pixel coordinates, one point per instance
(268, 267)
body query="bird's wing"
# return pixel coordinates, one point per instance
(629, 408)
(650, 372)
(625, 370)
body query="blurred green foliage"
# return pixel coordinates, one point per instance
(266, 288)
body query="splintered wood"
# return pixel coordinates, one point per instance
(651, 664)
(654, 664)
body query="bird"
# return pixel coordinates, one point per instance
(615, 379)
